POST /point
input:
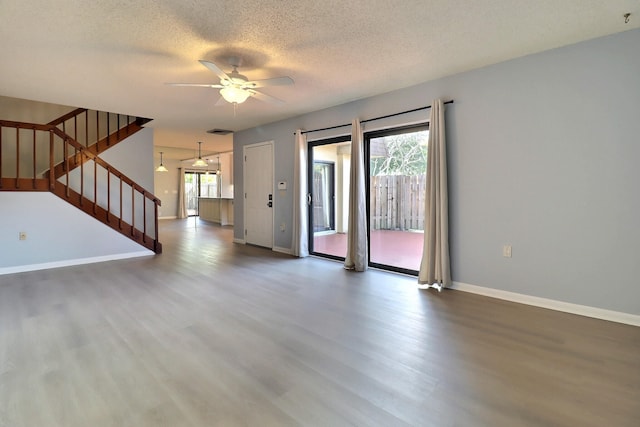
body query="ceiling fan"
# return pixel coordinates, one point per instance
(236, 88)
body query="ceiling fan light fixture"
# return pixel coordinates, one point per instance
(234, 95)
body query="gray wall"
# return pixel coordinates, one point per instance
(543, 154)
(167, 186)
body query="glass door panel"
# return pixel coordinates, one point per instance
(397, 179)
(191, 192)
(329, 191)
(323, 204)
(199, 184)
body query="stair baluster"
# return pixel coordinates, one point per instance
(65, 153)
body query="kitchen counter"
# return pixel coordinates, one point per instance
(215, 209)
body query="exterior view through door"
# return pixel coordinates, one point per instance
(329, 190)
(396, 187)
(397, 180)
(196, 185)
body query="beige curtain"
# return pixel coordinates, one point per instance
(435, 267)
(182, 203)
(300, 245)
(357, 252)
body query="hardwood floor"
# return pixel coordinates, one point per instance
(212, 333)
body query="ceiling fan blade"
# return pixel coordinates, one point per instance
(214, 68)
(276, 81)
(264, 97)
(216, 86)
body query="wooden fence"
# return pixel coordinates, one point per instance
(397, 202)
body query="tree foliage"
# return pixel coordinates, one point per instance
(406, 154)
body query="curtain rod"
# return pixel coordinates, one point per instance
(375, 118)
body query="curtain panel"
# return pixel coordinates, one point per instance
(182, 203)
(300, 244)
(435, 264)
(357, 250)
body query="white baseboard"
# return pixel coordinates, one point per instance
(582, 310)
(70, 262)
(168, 217)
(236, 240)
(287, 251)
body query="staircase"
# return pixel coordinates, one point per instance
(62, 157)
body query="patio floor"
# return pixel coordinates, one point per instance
(401, 249)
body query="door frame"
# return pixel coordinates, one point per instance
(244, 181)
(368, 136)
(310, 162)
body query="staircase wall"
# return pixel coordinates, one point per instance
(22, 110)
(54, 222)
(133, 157)
(58, 234)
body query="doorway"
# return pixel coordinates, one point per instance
(198, 184)
(397, 165)
(258, 196)
(329, 165)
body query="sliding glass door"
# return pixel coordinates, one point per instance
(199, 184)
(329, 194)
(396, 165)
(397, 178)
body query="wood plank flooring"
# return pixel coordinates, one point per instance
(212, 333)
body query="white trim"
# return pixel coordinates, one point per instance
(236, 240)
(287, 251)
(168, 217)
(70, 262)
(582, 310)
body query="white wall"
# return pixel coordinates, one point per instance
(543, 154)
(134, 157)
(57, 234)
(22, 110)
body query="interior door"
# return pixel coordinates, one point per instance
(258, 203)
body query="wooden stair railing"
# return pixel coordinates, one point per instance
(97, 188)
(95, 130)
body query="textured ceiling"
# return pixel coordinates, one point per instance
(117, 55)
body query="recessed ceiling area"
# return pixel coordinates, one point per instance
(119, 56)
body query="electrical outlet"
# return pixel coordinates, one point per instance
(22, 235)
(283, 227)
(506, 251)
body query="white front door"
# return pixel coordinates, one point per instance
(258, 194)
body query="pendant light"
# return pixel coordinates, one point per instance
(199, 162)
(161, 168)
